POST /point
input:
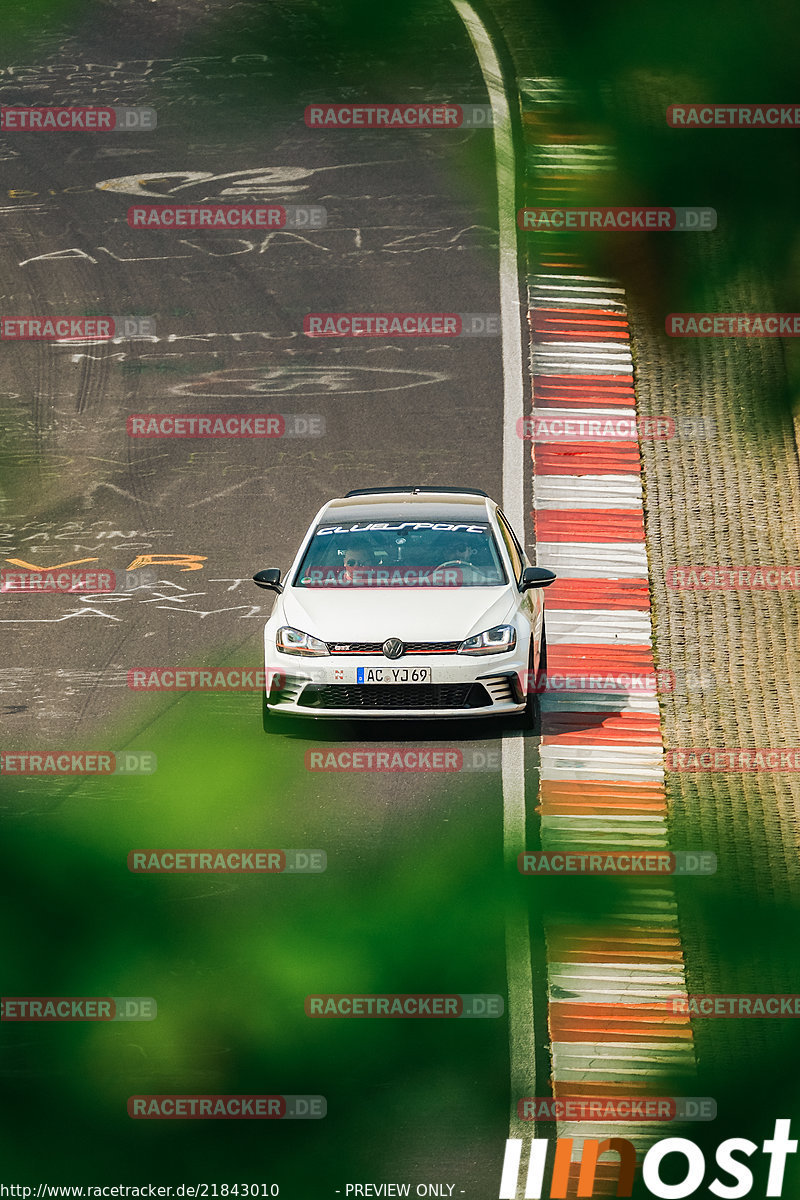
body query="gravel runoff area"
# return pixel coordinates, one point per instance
(727, 495)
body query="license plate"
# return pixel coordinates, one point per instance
(393, 674)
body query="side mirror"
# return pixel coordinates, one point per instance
(270, 579)
(536, 577)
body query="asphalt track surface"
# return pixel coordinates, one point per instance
(411, 899)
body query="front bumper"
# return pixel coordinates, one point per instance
(461, 686)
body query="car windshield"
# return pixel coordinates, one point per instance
(401, 553)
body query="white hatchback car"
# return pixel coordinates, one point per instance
(406, 602)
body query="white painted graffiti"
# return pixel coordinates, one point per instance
(297, 379)
(256, 183)
(347, 241)
(261, 182)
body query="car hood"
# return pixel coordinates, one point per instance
(412, 614)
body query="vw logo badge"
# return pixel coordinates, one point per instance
(393, 648)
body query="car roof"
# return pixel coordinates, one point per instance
(426, 506)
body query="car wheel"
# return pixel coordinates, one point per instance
(271, 721)
(543, 652)
(531, 717)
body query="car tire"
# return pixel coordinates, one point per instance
(543, 652)
(271, 721)
(532, 716)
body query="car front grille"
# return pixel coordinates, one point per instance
(377, 696)
(377, 647)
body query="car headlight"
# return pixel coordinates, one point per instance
(492, 641)
(294, 641)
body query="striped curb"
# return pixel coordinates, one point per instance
(602, 779)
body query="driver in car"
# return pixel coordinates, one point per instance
(463, 550)
(358, 566)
